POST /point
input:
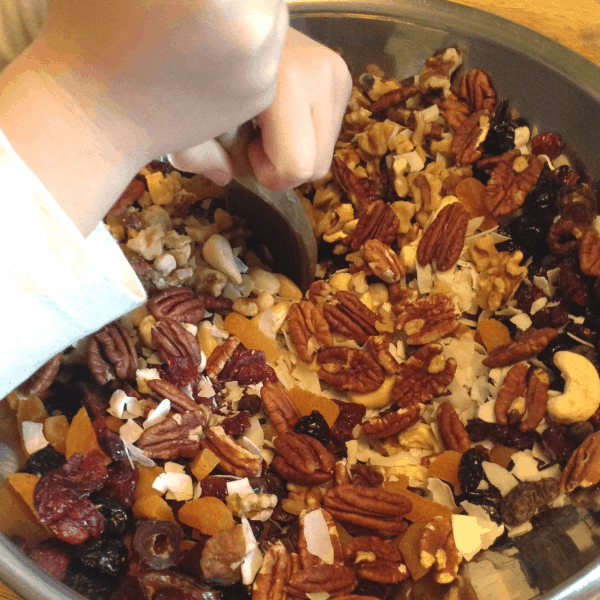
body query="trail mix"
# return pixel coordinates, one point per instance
(435, 388)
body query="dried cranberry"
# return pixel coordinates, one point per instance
(157, 543)
(247, 367)
(76, 523)
(50, 557)
(556, 443)
(235, 426)
(550, 144)
(116, 515)
(182, 370)
(315, 426)
(471, 476)
(571, 282)
(121, 483)
(43, 461)
(214, 486)
(526, 295)
(89, 582)
(107, 555)
(555, 316)
(350, 416)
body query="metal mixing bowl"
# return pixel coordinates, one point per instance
(557, 90)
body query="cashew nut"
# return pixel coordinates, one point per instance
(378, 398)
(581, 397)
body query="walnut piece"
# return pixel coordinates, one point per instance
(437, 547)
(222, 556)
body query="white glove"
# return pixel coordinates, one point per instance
(298, 130)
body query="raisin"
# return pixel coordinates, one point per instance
(523, 501)
(513, 437)
(555, 316)
(43, 461)
(250, 403)
(501, 135)
(556, 443)
(559, 343)
(471, 476)
(157, 543)
(89, 582)
(350, 416)
(107, 555)
(121, 483)
(479, 430)
(550, 144)
(543, 198)
(314, 425)
(235, 426)
(529, 233)
(576, 433)
(116, 515)
(65, 400)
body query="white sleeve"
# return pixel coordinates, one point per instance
(55, 286)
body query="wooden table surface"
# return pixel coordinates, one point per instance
(573, 23)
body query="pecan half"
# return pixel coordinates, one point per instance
(173, 393)
(512, 388)
(392, 423)
(466, 143)
(180, 304)
(444, 239)
(427, 320)
(275, 571)
(522, 349)
(566, 235)
(219, 357)
(455, 111)
(383, 261)
(423, 376)
(349, 369)
(336, 580)
(477, 89)
(379, 346)
(375, 222)
(368, 507)
(115, 344)
(308, 328)
(350, 183)
(177, 435)
(279, 406)
(350, 317)
(589, 253)
(376, 559)
(452, 430)
(42, 379)
(506, 190)
(174, 341)
(233, 457)
(437, 547)
(394, 97)
(310, 560)
(135, 188)
(302, 459)
(536, 399)
(583, 468)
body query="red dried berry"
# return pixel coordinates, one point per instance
(121, 483)
(51, 559)
(350, 416)
(182, 370)
(550, 144)
(247, 367)
(236, 425)
(571, 283)
(215, 487)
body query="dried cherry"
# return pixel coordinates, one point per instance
(117, 517)
(557, 444)
(157, 543)
(107, 555)
(110, 441)
(479, 430)
(247, 367)
(513, 437)
(121, 483)
(571, 282)
(43, 461)
(549, 143)
(350, 416)
(235, 426)
(214, 486)
(315, 426)
(250, 403)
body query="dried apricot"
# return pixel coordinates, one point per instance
(153, 507)
(209, 515)
(409, 546)
(31, 409)
(144, 489)
(17, 518)
(493, 333)
(402, 482)
(251, 336)
(423, 510)
(113, 423)
(470, 192)
(445, 467)
(306, 402)
(24, 483)
(204, 463)
(81, 436)
(502, 455)
(55, 431)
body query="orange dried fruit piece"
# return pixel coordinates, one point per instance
(147, 476)
(204, 463)
(493, 333)
(502, 455)
(409, 546)
(81, 436)
(209, 515)
(31, 409)
(24, 484)
(306, 402)
(153, 507)
(402, 482)
(17, 518)
(423, 510)
(55, 431)
(445, 467)
(114, 423)
(251, 336)
(470, 192)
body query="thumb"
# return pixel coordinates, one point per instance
(209, 159)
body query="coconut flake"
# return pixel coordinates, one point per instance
(526, 466)
(137, 454)
(205, 388)
(500, 477)
(316, 533)
(33, 436)
(240, 486)
(522, 321)
(254, 558)
(486, 412)
(123, 406)
(130, 431)
(538, 304)
(441, 493)
(158, 414)
(252, 447)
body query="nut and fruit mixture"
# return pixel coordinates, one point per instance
(434, 390)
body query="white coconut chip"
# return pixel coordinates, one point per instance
(33, 436)
(500, 477)
(318, 540)
(522, 321)
(441, 492)
(253, 560)
(239, 486)
(158, 414)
